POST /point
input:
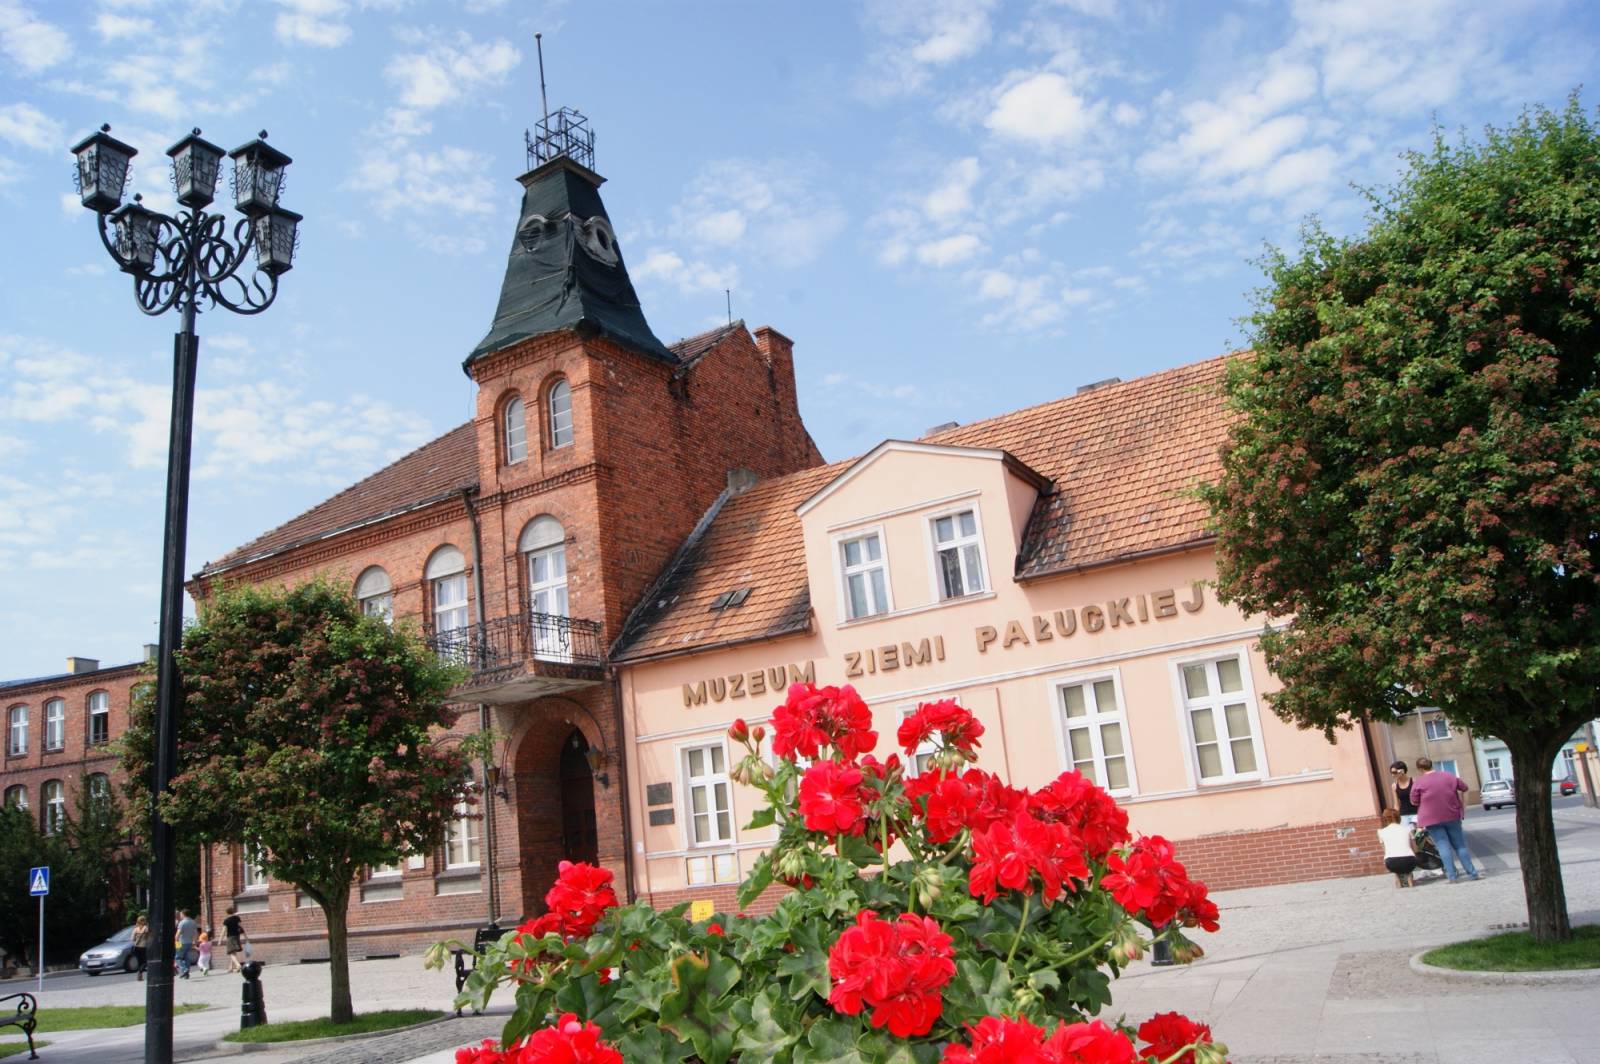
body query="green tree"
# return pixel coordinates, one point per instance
(21, 848)
(1411, 487)
(309, 732)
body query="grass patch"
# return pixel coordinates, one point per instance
(92, 1017)
(365, 1023)
(1516, 951)
(11, 1049)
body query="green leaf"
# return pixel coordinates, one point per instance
(829, 1041)
(760, 879)
(759, 1032)
(764, 817)
(692, 1010)
(652, 1045)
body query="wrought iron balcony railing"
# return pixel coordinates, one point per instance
(529, 639)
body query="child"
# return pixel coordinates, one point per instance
(204, 946)
(1398, 856)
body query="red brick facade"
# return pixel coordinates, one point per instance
(1228, 860)
(653, 446)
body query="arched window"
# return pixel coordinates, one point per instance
(463, 837)
(99, 787)
(55, 724)
(99, 718)
(447, 586)
(375, 593)
(17, 797)
(53, 797)
(560, 403)
(254, 876)
(516, 431)
(543, 544)
(17, 744)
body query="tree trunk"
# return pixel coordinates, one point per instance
(1536, 838)
(336, 910)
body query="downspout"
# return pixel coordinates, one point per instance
(1372, 766)
(622, 785)
(484, 720)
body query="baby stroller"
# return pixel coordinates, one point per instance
(1428, 860)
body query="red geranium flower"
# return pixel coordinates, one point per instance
(1168, 1032)
(999, 1040)
(570, 1041)
(487, 1053)
(581, 895)
(953, 725)
(1093, 815)
(1089, 1043)
(1151, 882)
(975, 799)
(1008, 855)
(832, 797)
(813, 717)
(895, 969)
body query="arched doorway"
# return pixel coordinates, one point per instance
(579, 839)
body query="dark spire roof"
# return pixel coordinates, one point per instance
(565, 270)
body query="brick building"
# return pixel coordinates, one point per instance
(59, 732)
(518, 543)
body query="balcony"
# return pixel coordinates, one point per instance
(514, 659)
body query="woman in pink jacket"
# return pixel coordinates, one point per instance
(1437, 796)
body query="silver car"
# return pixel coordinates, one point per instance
(1497, 793)
(115, 954)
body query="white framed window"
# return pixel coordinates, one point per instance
(1493, 765)
(254, 879)
(99, 718)
(447, 591)
(958, 562)
(1447, 765)
(55, 724)
(1569, 763)
(98, 785)
(17, 733)
(560, 403)
(544, 545)
(865, 574)
(463, 839)
(516, 431)
(1092, 725)
(383, 871)
(708, 795)
(375, 593)
(1220, 717)
(1437, 729)
(17, 796)
(53, 796)
(711, 868)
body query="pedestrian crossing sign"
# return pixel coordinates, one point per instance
(39, 881)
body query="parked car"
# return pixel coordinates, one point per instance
(1567, 786)
(1497, 793)
(114, 954)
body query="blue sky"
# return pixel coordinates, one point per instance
(955, 208)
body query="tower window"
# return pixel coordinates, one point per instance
(516, 431)
(560, 414)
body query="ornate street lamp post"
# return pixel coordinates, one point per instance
(191, 263)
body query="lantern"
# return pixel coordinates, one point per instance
(195, 164)
(257, 177)
(275, 239)
(137, 230)
(102, 169)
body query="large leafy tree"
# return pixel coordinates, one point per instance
(309, 733)
(1410, 489)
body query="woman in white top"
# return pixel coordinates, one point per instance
(1398, 856)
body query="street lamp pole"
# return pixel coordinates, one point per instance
(182, 262)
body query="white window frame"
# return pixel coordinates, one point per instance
(516, 443)
(383, 872)
(1440, 766)
(1492, 767)
(376, 602)
(98, 784)
(1054, 685)
(465, 831)
(52, 808)
(99, 709)
(709, 780)
(936, 572)
(20, 792)
(55, 724)
(554, 416)
(1180, 702)
(844, 572)
(17, 730)
(1443, 727)
(254, 878)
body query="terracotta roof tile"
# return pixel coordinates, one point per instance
(432, 471)
(692, 347)
(1122, 459)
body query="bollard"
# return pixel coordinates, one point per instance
(1161, 952)
(253, 1005)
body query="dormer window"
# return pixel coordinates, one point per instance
(958, 554)
(866, 575)
(560, 403)
(516, 431)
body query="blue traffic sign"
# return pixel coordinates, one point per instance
(39, 880)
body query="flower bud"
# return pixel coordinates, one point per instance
(1210, 1053)
(758, 733)
(1186, 952)
(791, 864)
(929, 884)
(739, 731)
(1128, 946)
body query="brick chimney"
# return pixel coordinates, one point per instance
(77, 665)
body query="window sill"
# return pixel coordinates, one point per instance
(856, 622)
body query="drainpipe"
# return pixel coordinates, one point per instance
(484, 719)
(622, 785)
(1372, 765)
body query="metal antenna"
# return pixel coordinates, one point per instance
(544, 101)
(729, 293)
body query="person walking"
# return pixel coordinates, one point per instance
(1400, 786)
(233, 938)
(203, 947)
(1437, 796)
(141, 944)
(188, 932)
(1398, 856)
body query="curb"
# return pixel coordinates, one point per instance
(263, 1047)
(1569, 976)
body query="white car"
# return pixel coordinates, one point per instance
(1497, 793)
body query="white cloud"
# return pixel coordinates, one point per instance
(690, 278)
(919, 38)
(25, 124)
(451, 180)
(775, 207)
(32, 43)
(1042, 109)
(111, 26)
(953, 198)
(445, 71)
(319, 23)
(949, 250)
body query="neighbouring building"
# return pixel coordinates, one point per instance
(518, 543)
(1050, 569)
(1429, 733)
(1494, 759)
